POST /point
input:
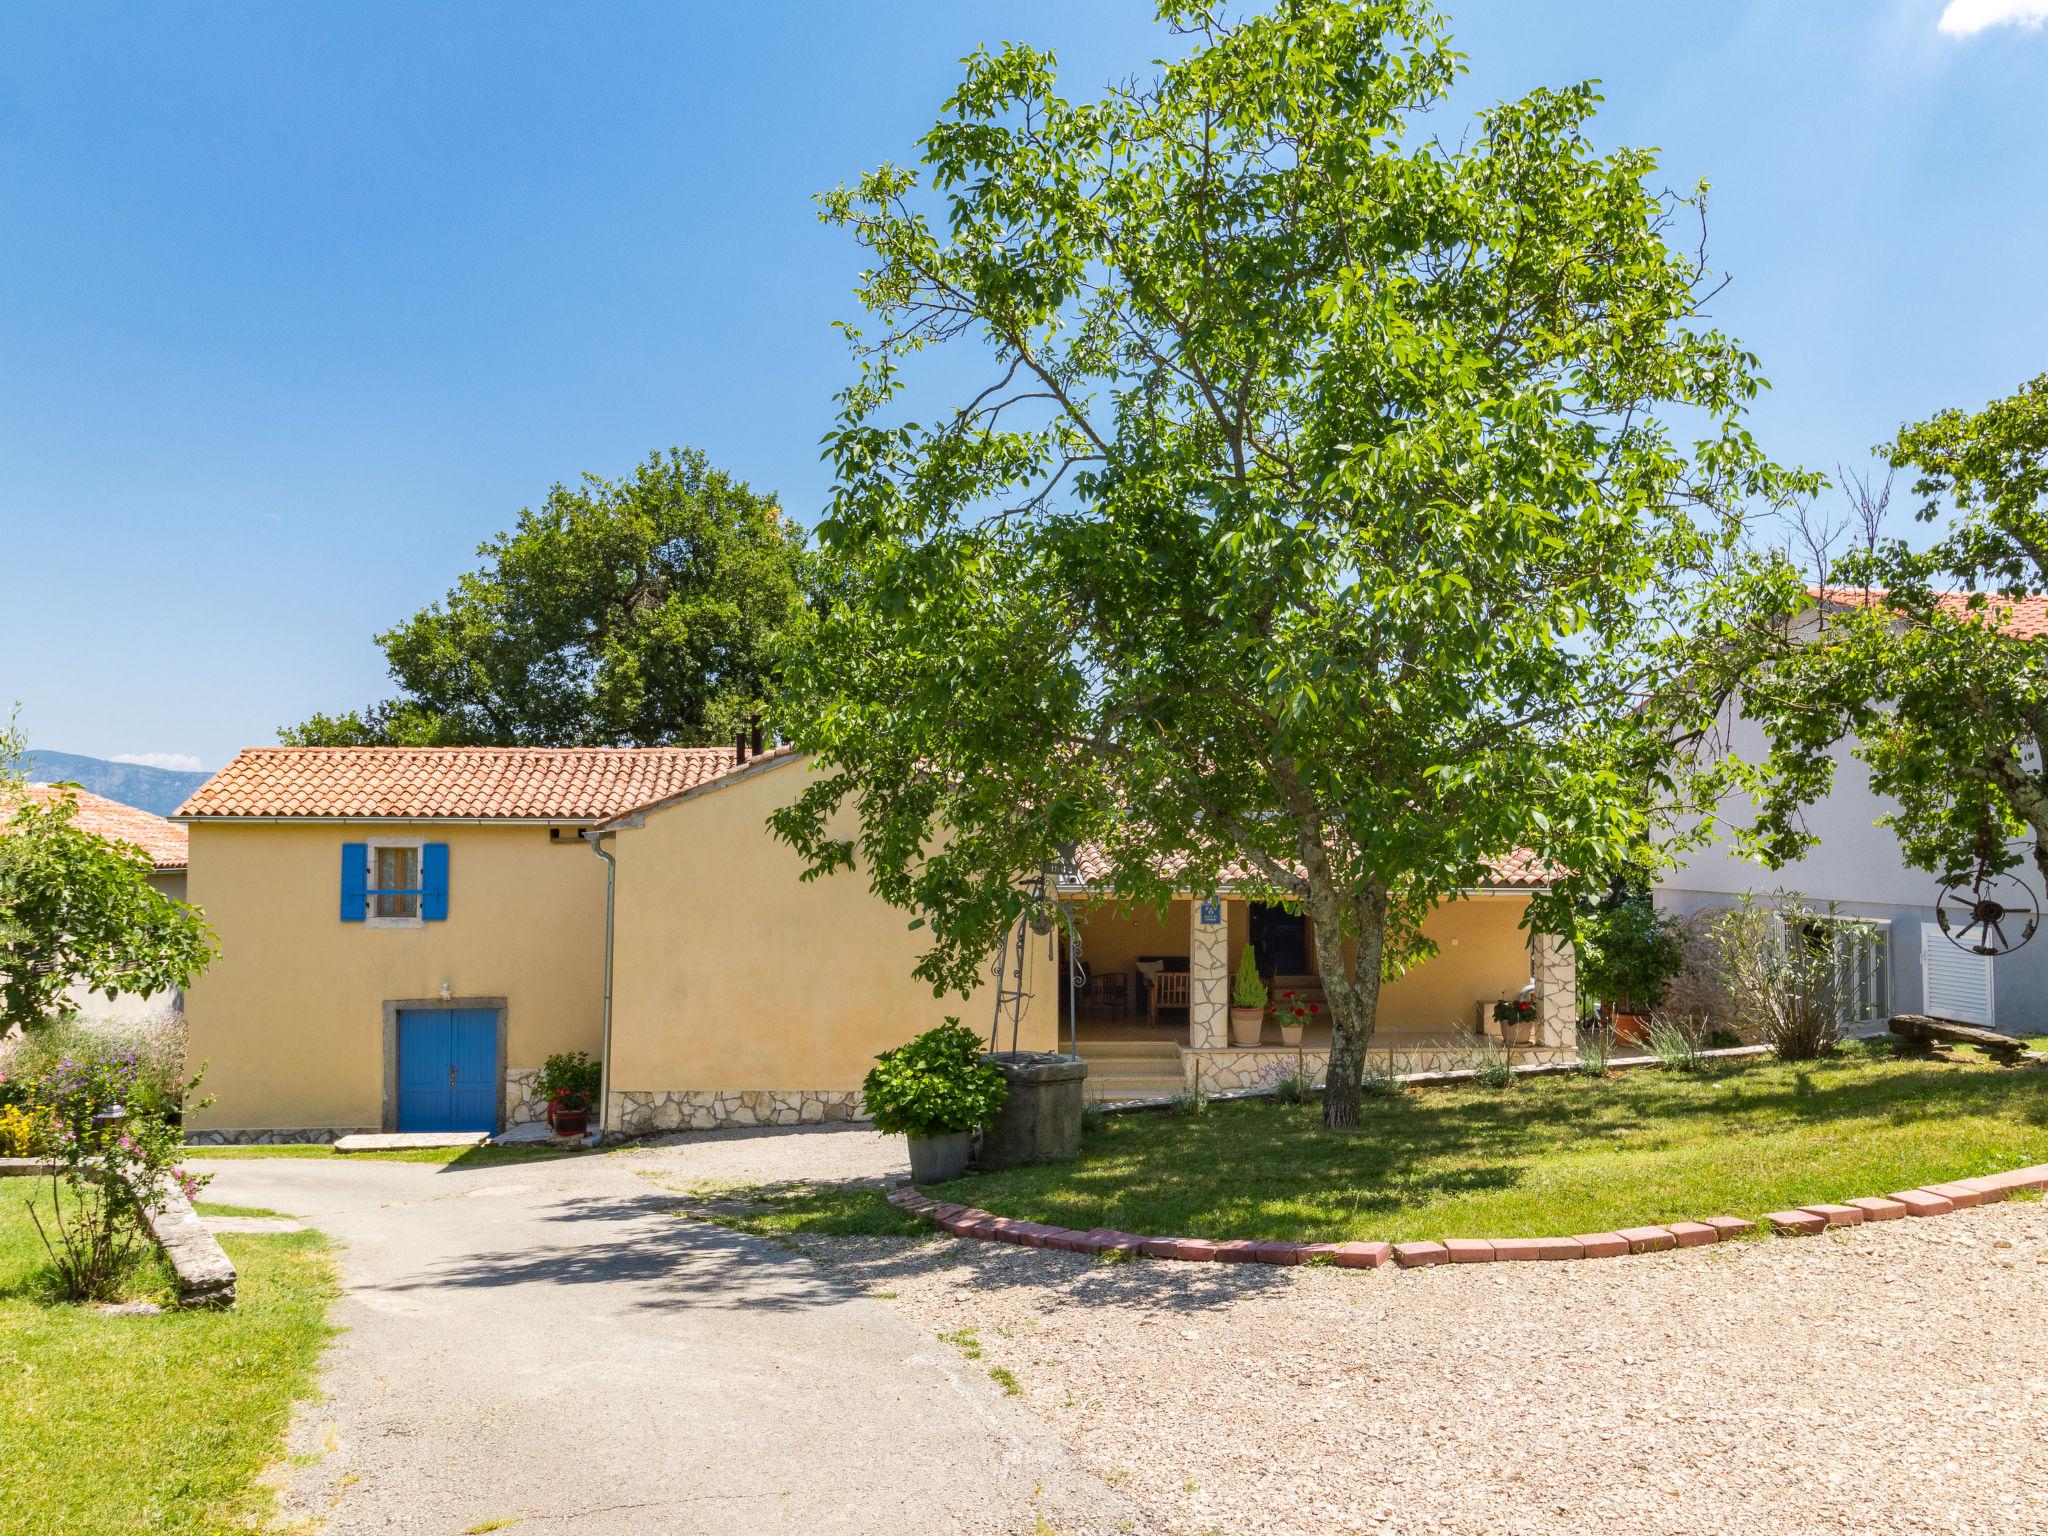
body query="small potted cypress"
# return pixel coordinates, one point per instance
(1247, 1001)
(937, 1091)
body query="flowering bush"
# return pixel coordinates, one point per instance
(569, 1080)
(155, 1047)
(23, 1130)
(110, 1165)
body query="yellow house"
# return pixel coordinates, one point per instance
(408, 933)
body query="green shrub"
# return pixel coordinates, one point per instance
(1596, 1049)
(1376, 1079)
(1723, 1040)
(1492, 1067)
(935, 1085)
(1627, 951)
(1676, 1040)
(1250, 991)
(570, 1078)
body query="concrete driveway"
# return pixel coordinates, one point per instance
(551, 1347)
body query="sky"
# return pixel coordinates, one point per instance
(299, 304)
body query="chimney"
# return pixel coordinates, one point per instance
(739, 748)
(754, 733)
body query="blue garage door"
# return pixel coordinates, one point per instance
(447, 1069)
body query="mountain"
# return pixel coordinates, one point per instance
(158, 790)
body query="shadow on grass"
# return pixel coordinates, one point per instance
(1270, 1170)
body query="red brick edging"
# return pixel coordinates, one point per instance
(1934, 1200)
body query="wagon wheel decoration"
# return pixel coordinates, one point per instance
(1992, 915)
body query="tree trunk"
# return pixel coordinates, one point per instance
(1353, 992)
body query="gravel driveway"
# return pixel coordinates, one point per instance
(550, 1347)
(1884, 1379)
(1881, 1379)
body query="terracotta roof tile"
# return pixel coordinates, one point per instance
(2023, 617)
(572, 784)
(163, 841)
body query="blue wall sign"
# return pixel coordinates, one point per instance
(1212, 912)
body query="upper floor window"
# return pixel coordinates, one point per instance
(395, 888)
(394, 882)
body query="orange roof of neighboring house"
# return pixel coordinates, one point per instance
(163, 841)
(1520, 870)
(2024, 617)
(571, 784)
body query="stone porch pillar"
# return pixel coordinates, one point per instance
(1208, 975)
(1556, 973)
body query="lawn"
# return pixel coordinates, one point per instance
(1548, 1156)
(114, 1426)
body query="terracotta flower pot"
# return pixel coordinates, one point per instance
(1290, 1034)
(1246, 1025)
(564, 1121)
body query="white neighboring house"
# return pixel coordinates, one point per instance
(1857, 866)
(164, 842)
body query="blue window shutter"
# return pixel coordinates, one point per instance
(355, 882)
(434, 882)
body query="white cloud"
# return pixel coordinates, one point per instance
(184, 762)
(1962, 18)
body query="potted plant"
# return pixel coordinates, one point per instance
(1513, 1017)
(1294, 1015)
(569, 1081)
(937, 1090)
(1247, 1001)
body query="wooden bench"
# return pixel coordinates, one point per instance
(1921, 1030)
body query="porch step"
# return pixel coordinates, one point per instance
(1120, 1088)
(1130, 1050)
(1131, 1069)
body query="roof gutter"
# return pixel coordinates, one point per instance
(381, 821)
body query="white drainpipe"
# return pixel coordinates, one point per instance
(611, 885)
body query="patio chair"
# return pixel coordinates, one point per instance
(1169, 990)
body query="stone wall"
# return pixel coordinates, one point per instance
(643, 1112)
(1238, 1071)
(307, 1135)
(521, 1105)
(204, 1273)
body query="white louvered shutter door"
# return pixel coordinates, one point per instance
(1957, 984)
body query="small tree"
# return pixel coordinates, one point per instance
(1316, 519)
(78, 910)
(1250, 988)
(1627, 951)
(1932, 663)
(635, 612)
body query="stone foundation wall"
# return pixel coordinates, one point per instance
(641, 1113)
(314, 1135)
(521, 1106)
(1238, 1071)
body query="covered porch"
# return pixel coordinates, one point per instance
(1154, 1015)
